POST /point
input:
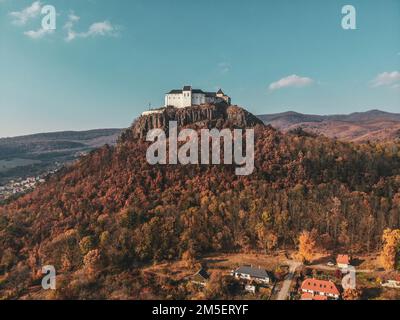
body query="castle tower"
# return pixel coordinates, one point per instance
(220, 94)
(187, 96)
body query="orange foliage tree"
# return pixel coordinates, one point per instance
(352, 294)
(390, 249)
(306, 246)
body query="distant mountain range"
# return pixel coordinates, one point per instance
(372, 125)
(34, 154)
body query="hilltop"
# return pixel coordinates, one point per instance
(103, 218)
(219, 116)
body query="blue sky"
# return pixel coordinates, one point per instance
(108, 59)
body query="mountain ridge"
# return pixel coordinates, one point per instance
(372, 125)
(47, 150)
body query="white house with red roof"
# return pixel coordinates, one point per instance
(315, 289)
(343, 261)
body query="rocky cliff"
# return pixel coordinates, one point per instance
(205, 116)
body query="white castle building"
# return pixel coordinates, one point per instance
(188, 97)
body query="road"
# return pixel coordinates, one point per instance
(328, 268)
(283, 294)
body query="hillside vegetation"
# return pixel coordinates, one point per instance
(99, 220)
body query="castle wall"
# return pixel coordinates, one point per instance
(188, 98)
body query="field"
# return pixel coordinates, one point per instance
(6, 165)
(222, 262)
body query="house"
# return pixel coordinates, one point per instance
(310, 296)
(315, 289)
(250, 288)
(343, 261)
(200, 277)
(252, 274)
(392, 281)
(188, 97)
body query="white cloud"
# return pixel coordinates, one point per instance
(100, 28)
(291, 81)
(23, 16)
(38, 34)
(387, 79)
(72, 19)
(104, 28)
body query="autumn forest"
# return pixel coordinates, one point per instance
(111, 212)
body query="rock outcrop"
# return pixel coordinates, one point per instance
(196, 117)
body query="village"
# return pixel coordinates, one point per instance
(279, 277)
(18, 186)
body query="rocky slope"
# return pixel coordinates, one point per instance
(205, 116)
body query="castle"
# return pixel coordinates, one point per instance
(188, 97)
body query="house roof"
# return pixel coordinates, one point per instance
(306, 296)
(320, 286)
(343, 259)
(310, 296)
(189, 88)
(175, 91)
(201, 275)
(179, 91)
(253, 272)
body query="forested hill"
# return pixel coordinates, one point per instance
(36, 154)
(373, 125)
(112, 211)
